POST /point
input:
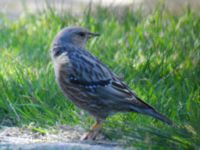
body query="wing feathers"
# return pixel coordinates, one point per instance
(87, 83)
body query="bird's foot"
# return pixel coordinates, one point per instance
(92, 135)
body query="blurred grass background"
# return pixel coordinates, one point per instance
(158, 55)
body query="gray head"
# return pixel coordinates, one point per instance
(73, 35)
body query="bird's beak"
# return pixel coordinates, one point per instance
(91, 34)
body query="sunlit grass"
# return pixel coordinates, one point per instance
(158, 56)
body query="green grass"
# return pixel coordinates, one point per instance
(158, 55)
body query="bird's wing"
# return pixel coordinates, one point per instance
(90, 72)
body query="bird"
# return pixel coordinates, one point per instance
(90, 84)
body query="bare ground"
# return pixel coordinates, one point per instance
(59, 137)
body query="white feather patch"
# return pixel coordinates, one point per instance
(59, 61)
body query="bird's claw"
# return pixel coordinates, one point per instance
(92, 135)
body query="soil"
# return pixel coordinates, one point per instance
(60, 137)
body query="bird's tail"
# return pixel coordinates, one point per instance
(157, 115)
(146, 109)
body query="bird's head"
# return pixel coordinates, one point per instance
(74, 35)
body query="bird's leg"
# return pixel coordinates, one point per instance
(93, 133)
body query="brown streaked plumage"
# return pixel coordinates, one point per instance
(90, 84)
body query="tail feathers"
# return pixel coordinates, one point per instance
(157, 115)
(146, 109)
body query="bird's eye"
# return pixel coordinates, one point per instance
(81, 34)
